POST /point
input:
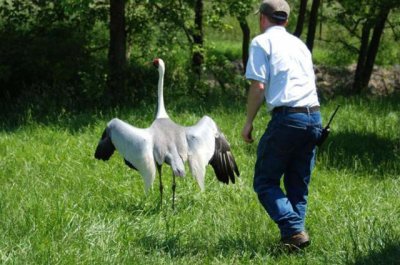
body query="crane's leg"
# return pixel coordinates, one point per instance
(173, 191)
(161, 186)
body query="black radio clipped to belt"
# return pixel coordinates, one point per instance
(327, 129)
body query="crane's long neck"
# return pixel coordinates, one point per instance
(161, 112)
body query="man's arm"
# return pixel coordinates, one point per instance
(255, 98)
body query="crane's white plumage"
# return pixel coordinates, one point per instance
(161, 112)
(167, 142)
(136, 146)
(201, 143)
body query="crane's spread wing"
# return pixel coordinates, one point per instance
(207, 145)
(129, 164)
(134, 144)
(223, 161)
(105, 147)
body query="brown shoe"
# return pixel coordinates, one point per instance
(297, 241)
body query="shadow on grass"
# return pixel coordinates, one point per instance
(150, 205)
(144, 206)
(240, 244)
(171, 245)
(361, 152)
(71, 120)
(389, 255)
(74, 118)
(177, 246)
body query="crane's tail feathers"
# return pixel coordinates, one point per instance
(223, 161)
(105, 147)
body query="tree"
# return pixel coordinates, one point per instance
(312, 24)
(117, 50)
(46, 50)
(312, 21)
(364, 20)
(244, 26)
(183, 16)
(198, 38)
(240, 10)
(301, 18)
(369, 47)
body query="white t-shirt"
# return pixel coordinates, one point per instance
(284, 64)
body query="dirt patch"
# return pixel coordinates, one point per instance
(332, 80)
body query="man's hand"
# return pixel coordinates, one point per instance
(246, 133)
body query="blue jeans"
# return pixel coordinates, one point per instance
(287, 149)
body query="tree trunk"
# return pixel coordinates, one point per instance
(374, 46)
(301, 18)
(117, 50)
(362, 57)
(369, 50)
(198, 57)
(245, 41)
(312, 25)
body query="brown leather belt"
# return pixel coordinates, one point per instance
(296, 109)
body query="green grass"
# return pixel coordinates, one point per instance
(58, 205)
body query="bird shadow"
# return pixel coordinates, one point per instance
(176, 245)
(176, 242)
(170, 245)
(142, 207)
(149, 204)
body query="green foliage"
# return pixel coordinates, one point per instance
(174, 16)
(224, 68)
(237, 9)
(55, 52)
(345, 19)
(45, 50)
(389, 54)
(329, 56)
(59, 205)
(141, 30)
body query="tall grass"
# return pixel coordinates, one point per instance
(58, 205)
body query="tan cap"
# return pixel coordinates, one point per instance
(277, 9)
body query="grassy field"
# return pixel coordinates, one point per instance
(58, 205)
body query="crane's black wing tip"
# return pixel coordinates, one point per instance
(223, 161)
(105, 147)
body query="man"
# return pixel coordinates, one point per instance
(281, 71)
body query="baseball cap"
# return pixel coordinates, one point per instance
(277, 9)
